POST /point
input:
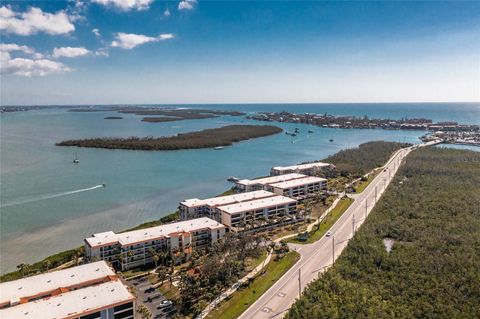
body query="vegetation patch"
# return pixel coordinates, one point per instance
(361, 160)
(319, 230)
(431, 213)
(246, 295)
(46, 264)
(365, 181)
(222, 136)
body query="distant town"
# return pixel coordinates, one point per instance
(447, 131)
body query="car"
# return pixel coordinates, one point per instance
(149, 290)
(165, 304)
(329, 233)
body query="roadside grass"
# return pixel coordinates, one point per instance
(361, 187)
(254, 262)
(326, 223)
(244, 297)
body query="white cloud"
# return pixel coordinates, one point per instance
(130, 40)
(102, 52)
(34, 20)
(166, 13)
(165, 36)
(9, 47)
(12, 47)
(70, 52)
(96, 32)
(187, 4)
(126, 5)
(29, 67)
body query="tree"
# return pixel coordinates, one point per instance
(47, 264)
(23, 268)
(144, 312)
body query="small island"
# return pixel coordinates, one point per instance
(208, 138)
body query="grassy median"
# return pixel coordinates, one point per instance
(243, 298)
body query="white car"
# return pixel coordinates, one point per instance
(165, 303)
(329, 233)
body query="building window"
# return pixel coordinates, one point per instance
(123, 307)
(92, 316)
(125, 314)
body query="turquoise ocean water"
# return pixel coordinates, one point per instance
(49, 204)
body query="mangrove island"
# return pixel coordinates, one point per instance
(223, 136)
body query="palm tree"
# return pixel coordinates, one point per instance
(155, 256)
(23, 268)
(144, 312)
(47, 264)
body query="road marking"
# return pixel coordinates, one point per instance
(267, 309)
(281, 294)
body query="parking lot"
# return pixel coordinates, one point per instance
(152, 298)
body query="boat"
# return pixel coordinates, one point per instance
(104, 185)
(218, 148)
(76, 160)
(297, 130)
(310, 131)
(331, 140)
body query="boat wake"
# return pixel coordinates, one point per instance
(45, 197)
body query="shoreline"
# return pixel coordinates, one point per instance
(169, 217)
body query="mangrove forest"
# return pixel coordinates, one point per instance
(208, 138)
(418, 253)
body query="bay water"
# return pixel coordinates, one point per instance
(49, 204)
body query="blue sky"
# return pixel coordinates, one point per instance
(143, 51)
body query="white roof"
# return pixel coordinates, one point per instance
(301, 166)
(12, 291)
(257, 204)
(71, 304)
(270, 179)
(224, 200)
(152, 233)
(298, 182)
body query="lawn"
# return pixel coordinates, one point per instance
(243, 298)
(326, 223)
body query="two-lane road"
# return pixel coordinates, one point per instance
(318, 256)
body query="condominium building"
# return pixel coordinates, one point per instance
(194, 207)
(248, 185)
(90, 291)
(293, 185)
(299, 188)
(306, 169)
(135, 248)
(258, 213)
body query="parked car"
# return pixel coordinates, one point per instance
(329, 233)
(149, 290)
(165, 304)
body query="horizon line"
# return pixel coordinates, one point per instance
(247, 103)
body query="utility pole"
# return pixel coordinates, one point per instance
(353, 225)
(366, 206)
(333, 251)
(299, 283)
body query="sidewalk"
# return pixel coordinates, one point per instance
(259, 268)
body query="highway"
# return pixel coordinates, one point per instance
(318, 256)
